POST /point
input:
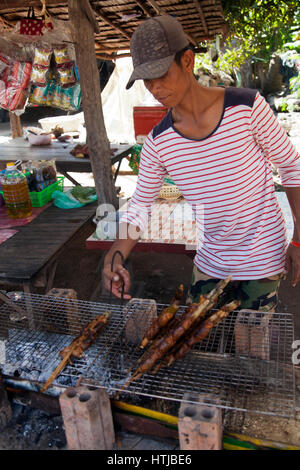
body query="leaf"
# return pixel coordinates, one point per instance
(83, 194)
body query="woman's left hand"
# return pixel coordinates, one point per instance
(293, 262)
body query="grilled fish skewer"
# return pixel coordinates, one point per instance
(164, 318)
(167, 342)
(203, 330)
(79, 345)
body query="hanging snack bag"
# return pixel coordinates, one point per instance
(42, 57)
(40, 68)
(61, 56)
(14, 84)
(39, 76)
(66, 75)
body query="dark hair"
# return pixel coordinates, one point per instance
(179, 54)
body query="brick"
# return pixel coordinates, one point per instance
(260, 335)
(87, 419)
(70, 309)
(140, 314)
(200, 425)
(252, 334)
(242, 331)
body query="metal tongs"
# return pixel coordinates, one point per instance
(121, 337)
(111, 268)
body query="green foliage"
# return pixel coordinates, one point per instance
(257, 29)
(286, 106)
(228, 61)
(264, 24)
(295, 85)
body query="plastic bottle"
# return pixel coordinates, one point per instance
(15, 192)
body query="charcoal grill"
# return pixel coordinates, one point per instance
(29, 350)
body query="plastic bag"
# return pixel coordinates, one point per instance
(134, 161)
(67, 200)
(14, 83)
(40, 66)
(32, 26)
(54, 95)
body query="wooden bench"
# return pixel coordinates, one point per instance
(30, 256)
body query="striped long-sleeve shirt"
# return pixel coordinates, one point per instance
(228, 175)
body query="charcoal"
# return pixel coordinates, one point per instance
(34, 356)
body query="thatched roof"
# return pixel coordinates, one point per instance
(117, 19)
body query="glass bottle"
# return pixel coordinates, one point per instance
(15, 192)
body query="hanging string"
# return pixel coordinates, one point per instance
(44, 12)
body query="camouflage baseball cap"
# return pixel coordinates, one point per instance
(153, 47)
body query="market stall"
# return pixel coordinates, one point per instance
(208, 361)
(39, 66)
(83, 31)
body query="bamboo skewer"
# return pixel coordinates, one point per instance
(164, 318)
(167, 342)
(78, 345)
(199, 334)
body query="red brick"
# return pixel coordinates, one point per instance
(87, 419)
(200, 425)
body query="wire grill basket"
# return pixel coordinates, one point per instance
(252, 378)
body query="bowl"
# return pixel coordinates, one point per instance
(41, 139)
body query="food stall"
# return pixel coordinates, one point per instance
(211, 366)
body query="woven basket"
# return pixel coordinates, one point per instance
(169, 191)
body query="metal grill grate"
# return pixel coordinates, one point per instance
(240, 381)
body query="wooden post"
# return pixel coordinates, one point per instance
(5, 408)
(15, 125)
(83, 25)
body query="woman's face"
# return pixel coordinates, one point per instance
(171, 88)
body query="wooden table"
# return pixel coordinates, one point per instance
(30, 256)
(172, 241)
(20, 148)
(168, 231)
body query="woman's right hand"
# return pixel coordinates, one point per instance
(118, 276)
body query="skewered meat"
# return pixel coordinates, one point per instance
(166, 343)
(79, 345)
(174, 334)
(166, 315)
(203, 330)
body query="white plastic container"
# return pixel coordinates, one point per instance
(68, 123)
(41, 139)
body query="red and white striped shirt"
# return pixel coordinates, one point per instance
(228, 174)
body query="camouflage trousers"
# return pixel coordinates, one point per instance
(256, 294)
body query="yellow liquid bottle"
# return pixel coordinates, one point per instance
(16, 193)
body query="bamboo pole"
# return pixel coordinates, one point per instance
(15, 125)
